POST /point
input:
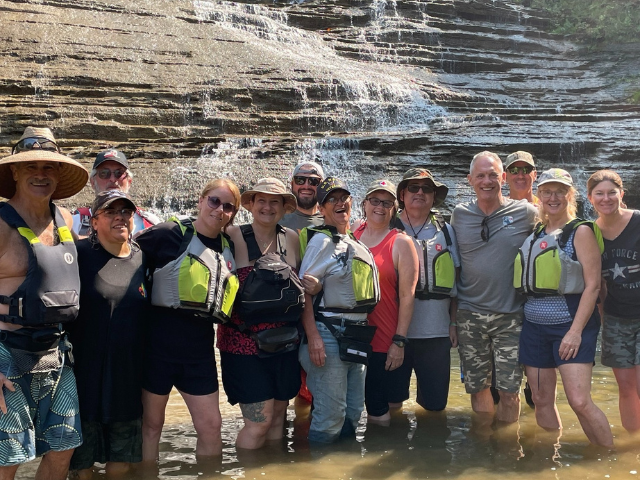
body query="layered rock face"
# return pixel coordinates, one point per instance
(191, 90)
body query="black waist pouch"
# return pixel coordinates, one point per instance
(276, 341)
(354, 344)
(31, 340)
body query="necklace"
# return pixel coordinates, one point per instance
(264, 245)
(415, 234)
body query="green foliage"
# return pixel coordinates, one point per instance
(594, 21)
(635, 97)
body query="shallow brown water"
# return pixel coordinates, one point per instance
(416, 445)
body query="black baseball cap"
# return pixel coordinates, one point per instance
(329, 185)
(113, 156)
(107, 197)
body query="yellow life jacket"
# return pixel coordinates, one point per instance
(199, 280)
(543, 268)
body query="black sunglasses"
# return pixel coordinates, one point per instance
(31, 142)
(515, 170)
(484, 233)
(215, 202)
(417, 188)
(105, 173)
(313, 181)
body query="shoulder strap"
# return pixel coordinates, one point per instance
(11, 216)
(281, 233)
(253, 250)
(568, 229)
(438, 220)
(397, 223)
(187, 229)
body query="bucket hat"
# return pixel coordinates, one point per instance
(270, 186)
(73, 176)
(439, 188)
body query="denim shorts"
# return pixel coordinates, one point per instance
(337, 389)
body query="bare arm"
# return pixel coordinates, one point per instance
(588, 254)
(316, 345)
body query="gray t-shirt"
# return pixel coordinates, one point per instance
(297, 220)
(486, 276)
(431, 317)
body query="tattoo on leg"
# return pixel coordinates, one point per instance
(253, 412)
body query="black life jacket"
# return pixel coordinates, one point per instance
(272, 292)
(50, 291)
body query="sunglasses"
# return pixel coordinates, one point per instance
(417, 188)
(215, 202)
(516, 170)
(105, 173)
(31, 142)
(376, 201)
(550, 193)
(126, 213)
(484, 233)
(342, 199)
(313, 181)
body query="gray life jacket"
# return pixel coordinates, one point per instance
(543, 268)
(358, 290)
(50, 291)
(199, 280)
(437, 274)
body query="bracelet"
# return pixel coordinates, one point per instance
(453, 324)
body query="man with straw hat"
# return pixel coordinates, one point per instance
(39, 287)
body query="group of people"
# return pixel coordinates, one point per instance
(104, 312)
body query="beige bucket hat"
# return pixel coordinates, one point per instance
(270, 186)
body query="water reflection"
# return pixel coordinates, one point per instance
(417, 445)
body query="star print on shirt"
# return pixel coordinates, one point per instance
(618, 271)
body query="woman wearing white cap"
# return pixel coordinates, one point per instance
(259, 347)
(558, 268)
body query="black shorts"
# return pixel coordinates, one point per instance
(382, 387)
(431, 360)
(251, 379)
(199, 378)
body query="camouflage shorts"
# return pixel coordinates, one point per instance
(620, 342)
(484, 339)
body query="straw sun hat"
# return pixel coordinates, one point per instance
(270, 186)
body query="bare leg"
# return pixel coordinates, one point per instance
(508, 409)
(54, 465)
(258, 418)
(384, 420)
(576, 378)
(628, 397)
(153, 407)
(205, 414)
(482, 402)
(84, 474)
(277, 422)
(8, 473)
(117, 468)
(543, 383)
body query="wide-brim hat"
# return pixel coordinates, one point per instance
(557, 175)
(37, 132)
(440, 189)
(270, 186)
(73, 176)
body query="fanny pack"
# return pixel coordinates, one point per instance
(32, 340)
(276, 341)
(354, 343)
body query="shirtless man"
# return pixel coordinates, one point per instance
(38, 399)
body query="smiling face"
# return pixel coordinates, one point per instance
(420, 202)
(117, 178)
(336, 214)
(267, 209)
(520, 183)
(38, 179)
(379, 214)
(606, 198)
(486, 179)
(211, 220)
(554, 198)
(113, 227)
(306, 193)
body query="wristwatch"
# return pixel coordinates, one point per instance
(400, 341)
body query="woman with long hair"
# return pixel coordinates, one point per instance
(558, 268)
(184, 256)
(620, 228)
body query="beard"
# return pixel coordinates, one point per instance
(307, 203)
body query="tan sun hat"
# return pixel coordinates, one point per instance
(270, 186)
(37, 132)
(73, 176)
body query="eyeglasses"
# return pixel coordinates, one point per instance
(417, 188)
(313, 181)
(342, 199)
(125, 213)
(550, 193)
(31, 142)
(215, 202)
(376, 201)
(105, 173)
(484, 233)
(524, 170)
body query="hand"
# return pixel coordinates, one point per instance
(395, 357)
(570, 345)
(453, 335)
(4, 382)
(316, 351)
(311, 284)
